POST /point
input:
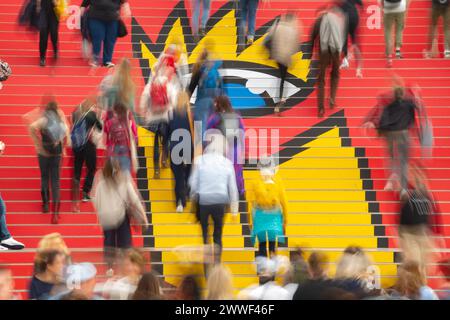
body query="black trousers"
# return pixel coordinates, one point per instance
(161, 134)
(181, 173)
(217, 212)
(50, 168)
(263, 248)
(48, 25)
(283, 72)
(119, 238)
(87, 155)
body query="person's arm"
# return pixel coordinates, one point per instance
(193, 179)
(84, 5)
(315, 32)
(33, 129)
(133, 127)
(67, 127)
(135, 201)
(194, 82)
(145, 99)
(213, 121)
(233, 191)
(97, 123)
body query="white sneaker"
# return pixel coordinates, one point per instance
(12, 244)
(447, 54)
(180, 208)
(345, 64)
(2, 248)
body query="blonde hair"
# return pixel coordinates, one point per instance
(220, 284)
(124, 82)
(183, 102)
(53, 241)
(410, 279)
(353, 264)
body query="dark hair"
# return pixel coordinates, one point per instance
(223, 104)
(410, 279)
(52, 106)
(121, 109)
(189, 288)
(46, 258)
(136, 257)
(148, 288)
(316, 261)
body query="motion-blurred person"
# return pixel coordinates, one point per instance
(297, 273)
(206, 78)
(220, 283)
(394, 14)
(230, 124)
(267, 208)
(103, 21)
(213, 188)
(189, 289)
(48, 26)
(329, 33)
(419, 217)
(206, 7)
(393, 119)
(353, 273)
(120, 130)
(283, 42)
(267, 289)
(439, 8)
(51, 242)
(180, 161)
(119, 87)
(50, 274)
(148, 288)
(7, 285)
(49, 133)
(157, 100)
(411, 283)
(114, 196)
(80, 281)
(248, 10)
(350, 8)
(7, 242)
(123, 287)
(84, 121)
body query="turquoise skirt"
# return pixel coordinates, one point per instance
(267, 226)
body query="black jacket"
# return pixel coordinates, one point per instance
(106, 10)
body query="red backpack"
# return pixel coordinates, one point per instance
(159, 98)
(119, 131)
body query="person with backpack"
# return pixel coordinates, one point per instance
(116, 201)
(157, 99)
(120, 131)
(439, 8)
(49, 133)
(419, 218)
(208, 81)
(329, 33)
(103, 20)
(84, 121)
(48, 25)
(230, 124)
(284, 38)
(394, 15)
(180, 122)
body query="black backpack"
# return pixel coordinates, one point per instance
(416, 210)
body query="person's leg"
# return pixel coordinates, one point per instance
(205, 14)
(55, 181)
(399, 27)
(111, 28)
(283, 72)
(178, 173)
(156, 156)
(98, 31)
(165, 144)
(78, 161)
(53, 26)
(204, 216)
(109, 246)
(334, 78)
(43, 34)
(244, 4)
(218, 214)
(45, 175)
(262, 252)
(124, 234)
(272, 248)
(447, 31)
(4, 233)
(391, 144)
(252, 7)
(323, 64)
(195, 16)
(435, 14)
(91, 165)
(388, 20)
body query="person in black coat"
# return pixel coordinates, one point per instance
(48, 25)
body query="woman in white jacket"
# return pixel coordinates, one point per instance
(213, 187)
(115, 198)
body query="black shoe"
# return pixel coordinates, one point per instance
(45, 208)
(202, 32)
(86, 197)
(42, 62)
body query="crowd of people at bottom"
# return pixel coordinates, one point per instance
(57, 277)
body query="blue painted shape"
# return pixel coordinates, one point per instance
(242, 98)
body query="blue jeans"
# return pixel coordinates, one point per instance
(4, 233)
(196, 8)
(106, 32)
(248, 14)
(122, 155)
